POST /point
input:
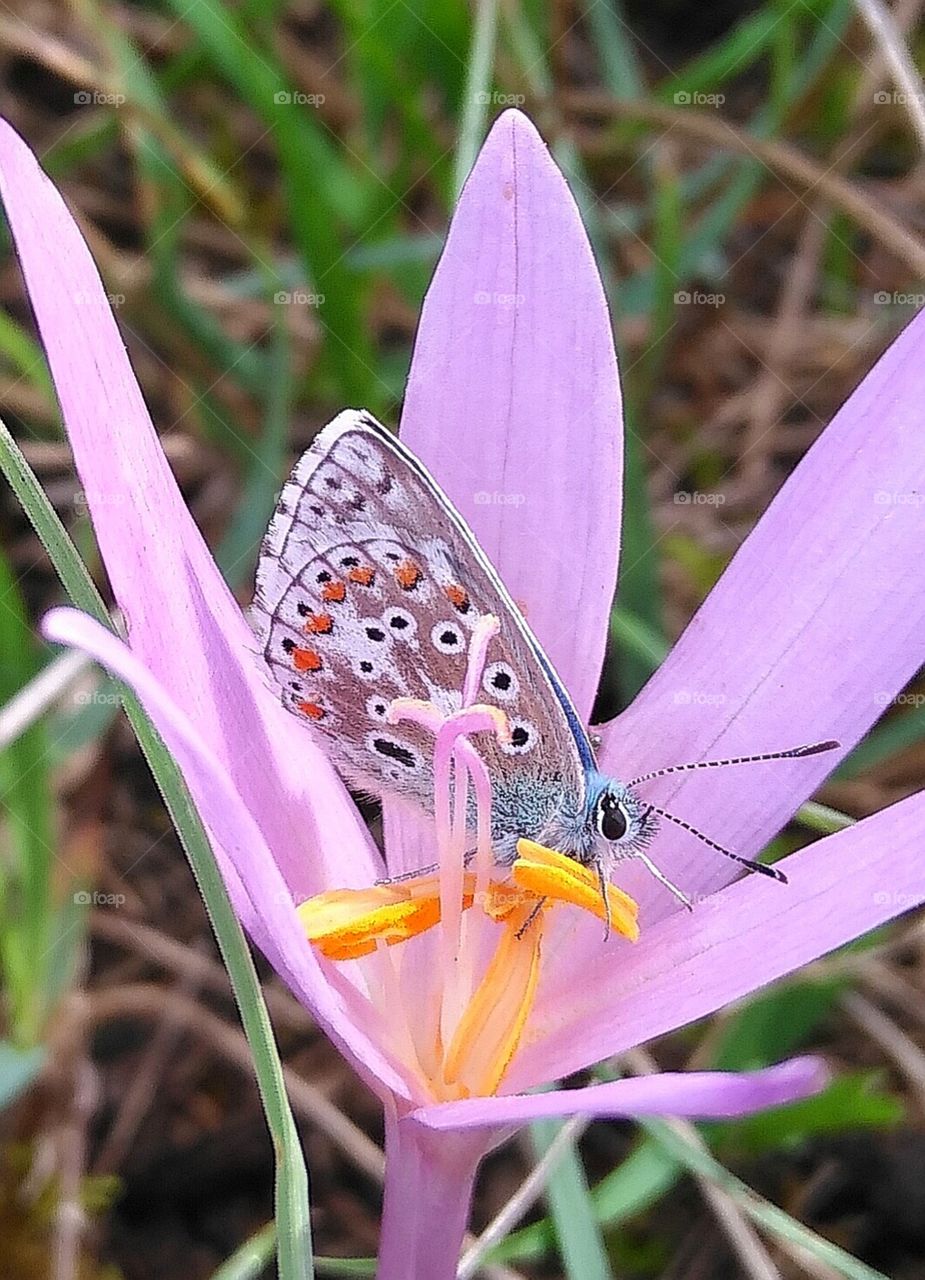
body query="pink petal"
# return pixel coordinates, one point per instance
(701, 1095)
(183, 622)
(740, 939)
(513, 400)
(815, 626)
(257, 889)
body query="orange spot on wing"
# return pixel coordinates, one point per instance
(408, 575)
(306, 660)
(365, 575)
(333, 592)
(319, 624)
(458, 597)
(313, 710)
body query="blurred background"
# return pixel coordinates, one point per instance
(265, 187)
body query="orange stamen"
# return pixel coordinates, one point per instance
(347, 923)
(490, 1030)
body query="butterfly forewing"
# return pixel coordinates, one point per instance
(368, 589)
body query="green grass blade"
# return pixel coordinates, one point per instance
(345, 1267)
(18, 1068)
(822, 818)
(768, 1217)
(885, 740)
(319, 188)
(47, 524)
(577, 1232)
(237, 550)
(638, 596)
(292, 1210)
(746, 44)
(251, 1259)
(25, 356)
(27, 906)
(178, 173)
(476, 94)
(646, 1175)
(615, 48)
(635, 636)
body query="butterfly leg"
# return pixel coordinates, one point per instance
(530, 918)
(421, 871)
(663, 879)
(602, 878)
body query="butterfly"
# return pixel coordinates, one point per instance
(369, 586)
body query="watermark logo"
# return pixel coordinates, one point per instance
(96, 698)
(698, 698)
(896, 298)
(92, 299)
(96, 98)
(897, 97)
(496, 99)
(695, 498)
(897, 899)
(485, 499)
(292, 98)
(81, 503)
(697, 298)
(84, 898)
(911, 498)
(114, 498)
(884, 699)
(485, 299)
(686, 98)
(298, 298)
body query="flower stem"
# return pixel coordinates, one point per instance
(428, 1192)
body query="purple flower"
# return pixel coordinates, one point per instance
(513, 402)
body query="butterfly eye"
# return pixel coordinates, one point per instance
(524, 738)
(500, 682)
(448, 638)
(611, 817)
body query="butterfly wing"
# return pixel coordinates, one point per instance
(369, 585)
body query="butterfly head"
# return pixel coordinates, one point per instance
(616, 822)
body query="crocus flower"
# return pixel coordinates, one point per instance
(513, 403)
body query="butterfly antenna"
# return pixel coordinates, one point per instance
(794, 753)
(727, 853)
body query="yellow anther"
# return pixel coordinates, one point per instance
(347, 923)
(549, 874)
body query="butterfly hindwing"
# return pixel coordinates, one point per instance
(368, 588)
